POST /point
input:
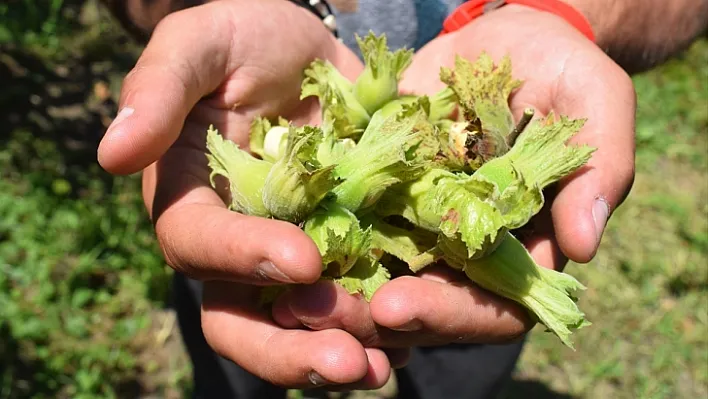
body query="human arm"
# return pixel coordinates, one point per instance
(640, 34)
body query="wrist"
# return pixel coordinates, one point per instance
(600, 14)
(474, 9)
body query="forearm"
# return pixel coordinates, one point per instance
(639, 34)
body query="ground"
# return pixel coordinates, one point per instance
(84, 291)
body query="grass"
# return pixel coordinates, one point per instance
(84, 291)
(648, 284)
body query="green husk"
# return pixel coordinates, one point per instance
(339, 105)
(339, 237)
(246, 174)
(374, 165)
(365, 278)
(483, 89)
(409, 245)
(297, 182)
(378, 83)
(511, 272)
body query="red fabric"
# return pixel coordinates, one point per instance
(472, 9)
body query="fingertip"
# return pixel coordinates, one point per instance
(294, 252)
(115, 149)
(577, 229)
(339, 358)
(392, 310)
(379, 369)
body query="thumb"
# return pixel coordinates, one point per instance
(586, 199)
(187, 58)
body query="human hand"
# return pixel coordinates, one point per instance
(563, 72)
(225, 63)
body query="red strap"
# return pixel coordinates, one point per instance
(472, 9)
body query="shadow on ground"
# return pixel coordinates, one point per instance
(65, 94)
(518, 389)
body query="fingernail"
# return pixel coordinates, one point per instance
(413, 325)
(122, 115)
(269, 270)
(600, 213)
(316, 379)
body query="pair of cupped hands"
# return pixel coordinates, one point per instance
(225, 63)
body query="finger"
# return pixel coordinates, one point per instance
(205, 241)
(407, 312)
(587, 198)
(326, 305)
(289, 358)
(451, 312)
(187, 57)
(377, 375)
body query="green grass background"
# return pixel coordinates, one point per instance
(84, 292)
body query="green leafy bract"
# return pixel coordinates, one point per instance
(540, 155)
(511, 272)
(298, 182)
(339, 105)
(245, 173)
(378, 83)
(483, 91)
(365, 277)
(391, 156)
(339, 237)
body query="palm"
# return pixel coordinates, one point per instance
(562, 72)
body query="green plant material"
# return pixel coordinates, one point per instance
(276, 143)
(339, 237)
(335, 93)
(378, 83)
(416, 200)
(396, 105)
(483, 89)
(456, 187)
(511, 272)
(297, 182)
(503, 194)
(376, 164)
(367, 276)
(408, 245)
(442, 104)
(540, 155)
(451, 205)
(260, 129)
(332, 149)
(457, 147)
(246, 174)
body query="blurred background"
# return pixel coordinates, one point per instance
(84, 293)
